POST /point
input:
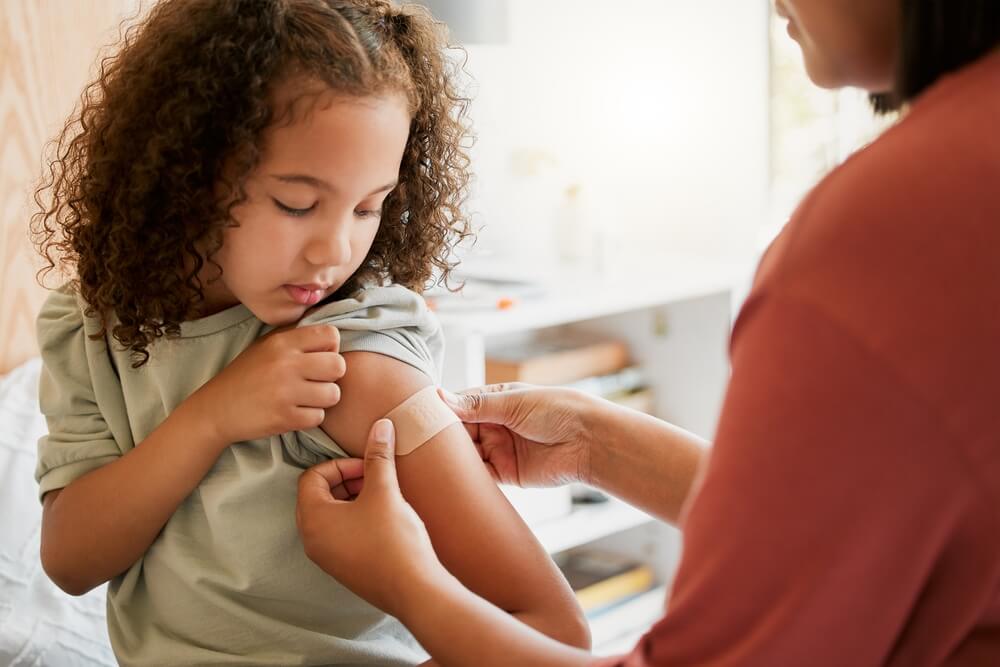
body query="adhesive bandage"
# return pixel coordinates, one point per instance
(419, 418)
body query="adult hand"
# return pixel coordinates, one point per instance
(283, 382)
(366, 535)
(527, 435)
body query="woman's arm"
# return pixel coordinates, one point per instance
(476, 533)
(481, 634)
(546, 436)
(645, 461)
(372, 541)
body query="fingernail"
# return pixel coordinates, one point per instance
(383, 431)
(448, 397)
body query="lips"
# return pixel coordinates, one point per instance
(305, 295)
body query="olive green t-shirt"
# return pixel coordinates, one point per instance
(227, 581)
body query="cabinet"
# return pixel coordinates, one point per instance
(677, 323)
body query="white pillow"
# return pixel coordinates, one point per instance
(39, 624)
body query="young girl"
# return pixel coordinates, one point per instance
(236, 164)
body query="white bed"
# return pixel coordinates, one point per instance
(47, 50)
(39, 624)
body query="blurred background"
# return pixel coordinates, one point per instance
(633, 160)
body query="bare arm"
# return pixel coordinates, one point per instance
(643, 460)
(476, 533)
(480, 633)
(100, 524)
(548, 436)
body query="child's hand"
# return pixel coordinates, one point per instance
(365, 535)
(283, 382)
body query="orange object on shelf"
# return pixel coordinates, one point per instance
(555, 361)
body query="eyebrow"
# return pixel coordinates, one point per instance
(323, 185)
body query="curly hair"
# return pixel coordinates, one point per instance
(131, 199)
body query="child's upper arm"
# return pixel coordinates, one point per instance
(476, 533)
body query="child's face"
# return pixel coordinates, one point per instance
(312, 207)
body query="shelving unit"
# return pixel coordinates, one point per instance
(587, 523)
(676, 322)
(615, 631)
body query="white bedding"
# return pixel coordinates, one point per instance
(39, 624)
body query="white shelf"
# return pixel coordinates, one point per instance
(587, 523)
(573, 297)
(617, 630)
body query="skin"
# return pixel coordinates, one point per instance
(546, 436)
(446, 484)
(311, 215)
(313, 206)
(86, 538)
(845, 42)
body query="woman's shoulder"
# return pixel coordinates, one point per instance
(926, 184)
(898, 244)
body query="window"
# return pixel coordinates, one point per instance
(812, 130)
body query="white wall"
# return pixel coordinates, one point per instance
(657, 107)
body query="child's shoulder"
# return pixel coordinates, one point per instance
(375, 308)
(61, 317)
(389, 320)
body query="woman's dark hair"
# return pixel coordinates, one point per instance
(938, 37)
(148, 169)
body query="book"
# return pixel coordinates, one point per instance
(602, 580)
(640, 400)
(625, 380)
(617, 628)
(556, 361)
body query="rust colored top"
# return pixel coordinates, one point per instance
(850, 511)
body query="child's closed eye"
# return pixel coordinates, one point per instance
(299, 212)
(291, 210)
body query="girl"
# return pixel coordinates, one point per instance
(235, 164)
(848, 511)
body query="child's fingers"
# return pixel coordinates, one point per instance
(317, 395)
(354, 486)
(304, 417)
(337, 479)
(340, 471)
(340, 492)
(313, 488)
(322, 366)
(317, 338)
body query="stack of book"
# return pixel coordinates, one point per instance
(597, 366)
(604, 581)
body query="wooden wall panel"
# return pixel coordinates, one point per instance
(48, 49)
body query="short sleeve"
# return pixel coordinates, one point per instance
(392, 321)
(79, 438)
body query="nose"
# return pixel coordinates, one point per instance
(330, 245)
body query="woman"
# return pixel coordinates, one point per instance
(848, 512)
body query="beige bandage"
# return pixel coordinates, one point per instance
(419, 418)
